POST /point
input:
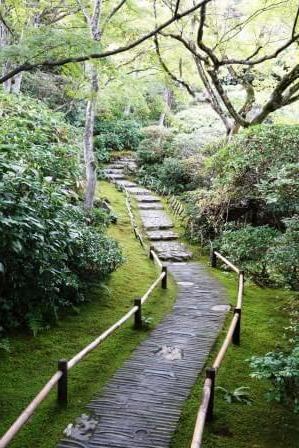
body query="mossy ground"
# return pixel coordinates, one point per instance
(34, 359)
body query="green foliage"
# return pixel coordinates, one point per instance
(248, 247)
(282, 369)
(282, 257)
(239, 395)
(4, 345)
(48, 245)
(115, 135)
(249, 200)
(160, 165)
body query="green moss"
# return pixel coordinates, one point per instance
(263, 424)
(33, 360)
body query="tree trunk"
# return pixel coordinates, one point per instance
(89, 156)
(167, 102)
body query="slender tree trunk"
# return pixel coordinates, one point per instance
(167, 106)
(89, 156)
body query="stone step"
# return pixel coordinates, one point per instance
(139, 191)
(147, 198)
(116, 176)
(172, 251)
(150, 206)
(155, 220)
(116, 166)
(125, 183)
(162, 235)
(114, 170)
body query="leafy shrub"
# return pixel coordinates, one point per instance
(116, 135)
(174, 174)
(160, 165)
(282, 256)
(48, 247)
(282, 369)
(248, 247)
(280, 189)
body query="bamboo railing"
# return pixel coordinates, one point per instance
(205, 412)
(60, 377)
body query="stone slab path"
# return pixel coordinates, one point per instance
(140, 407)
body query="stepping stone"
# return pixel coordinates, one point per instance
(164, 235)
(139, 191)
(150, 206)
(147, 198)
(125, 183)
(113, 171)
(155, 220)
(116, 176)
(116, 166)
(171, 251)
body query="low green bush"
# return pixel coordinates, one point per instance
(282, 369)
(49, 247)
(247, 248)
(115, 135)
(283, 254)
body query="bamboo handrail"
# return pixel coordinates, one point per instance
(227, 262)
(233, 333)
(101, 338)
(201, 415)
(28, 412)
(226, 342)
(240, 290)
(150, 290)
(30, 409)
(156, 258)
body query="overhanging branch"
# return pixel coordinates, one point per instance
(27, 66)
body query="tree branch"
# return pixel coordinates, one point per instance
(27, 66)
(112, 13)
(169, 73)
(277, 99)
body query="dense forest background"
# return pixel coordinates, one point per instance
(206, 96)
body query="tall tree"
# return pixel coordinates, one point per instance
(217, 56)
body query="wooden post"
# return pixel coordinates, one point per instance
(150, 253)
(138, 315)
(211, 374)
(62, 382)
(164, 279)
(236, 333)
(213, 258)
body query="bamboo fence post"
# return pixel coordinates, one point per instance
(213, 258)
(211, 374)
(164, 279)
(237, 331)
(62, 382)
(138, 315)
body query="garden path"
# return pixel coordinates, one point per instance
(140, 407)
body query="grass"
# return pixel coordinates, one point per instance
(262, 424)
(34, 359)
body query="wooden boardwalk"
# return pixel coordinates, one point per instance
(141, 405)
